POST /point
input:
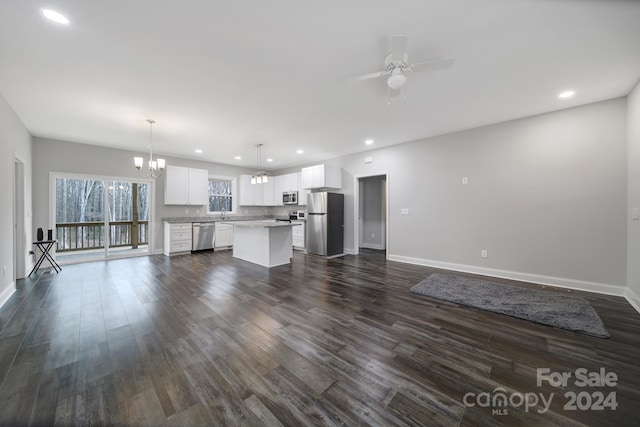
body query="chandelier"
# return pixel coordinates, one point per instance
(259, 177)
(155, 167)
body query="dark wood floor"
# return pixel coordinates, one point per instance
(210, 340)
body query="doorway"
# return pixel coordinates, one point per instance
(371, 230)
(97, 218)
(19, 234)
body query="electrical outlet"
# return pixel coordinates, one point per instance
(484, 253)
(404, 211)
(635, 214)
(465, 180)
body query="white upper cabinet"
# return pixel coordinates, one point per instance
(198, 187)
(322, 176)
(290, 182)
(186, 186)
(278, 189)
(255, 194)
(270, 194)
(176, 185)
(267, 193)
(246, 192)
(302, 193)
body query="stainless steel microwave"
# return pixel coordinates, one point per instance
(290, 198)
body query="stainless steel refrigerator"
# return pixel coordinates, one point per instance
(325, 223)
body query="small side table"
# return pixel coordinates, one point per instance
(45, 247)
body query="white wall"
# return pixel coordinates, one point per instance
(546, 198)
(15, 141)
(67, 157)
(633, 200)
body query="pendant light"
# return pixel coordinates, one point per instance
(155, 167)
(259, 177)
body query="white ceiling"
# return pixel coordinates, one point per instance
(224, 76)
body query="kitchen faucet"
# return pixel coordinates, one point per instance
(222, 213)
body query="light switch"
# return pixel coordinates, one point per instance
(404, 211)
(465, 180)
(635, 214)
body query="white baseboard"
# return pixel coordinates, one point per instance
(372, 246)
(633, 298)
(561, 282)
(348, 251)
(6, 294)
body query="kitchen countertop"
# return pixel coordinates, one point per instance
(265, 223)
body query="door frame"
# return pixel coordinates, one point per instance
(52, 207)
(19, 229)
(356, 210)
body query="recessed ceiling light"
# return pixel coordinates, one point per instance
(300, 151)
(566, 94)
(369, 141)
(238, 158)
(199, 151)
(54, 16)
(269, 159)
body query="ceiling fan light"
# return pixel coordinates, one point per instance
(396, 80)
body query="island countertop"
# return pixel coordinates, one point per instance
(216, 218)
(261, 224)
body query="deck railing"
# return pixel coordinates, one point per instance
(79, 236)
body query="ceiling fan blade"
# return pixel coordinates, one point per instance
(368, 76)
(398, 47)
(435, 64)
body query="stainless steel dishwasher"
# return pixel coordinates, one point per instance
(203, 235)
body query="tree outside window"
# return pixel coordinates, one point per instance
(220, 195)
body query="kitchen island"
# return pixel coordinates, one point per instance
(266, 243)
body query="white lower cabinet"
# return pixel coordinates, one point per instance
(224, 236)
(177, 238)
(298, 234)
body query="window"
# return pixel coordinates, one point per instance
(222, 195)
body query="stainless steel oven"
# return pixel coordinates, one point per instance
(298, 215)
(290, 198)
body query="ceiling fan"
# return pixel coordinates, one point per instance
(396, 64)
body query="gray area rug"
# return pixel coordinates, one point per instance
(546, 307)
